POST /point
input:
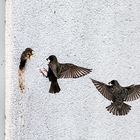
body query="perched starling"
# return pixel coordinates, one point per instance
(118, 95)
(24, 56)
(23, 59)
(58, 70)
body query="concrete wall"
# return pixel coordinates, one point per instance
(2, 69)
(99, 34)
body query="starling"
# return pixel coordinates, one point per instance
(24, 56)
(118, 95)
(58, 70)
(23, 59)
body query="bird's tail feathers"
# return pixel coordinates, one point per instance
(122, 109)
(54, 88)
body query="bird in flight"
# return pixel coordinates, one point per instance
(58, 70)
(118, 95)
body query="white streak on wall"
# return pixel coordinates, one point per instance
(8, 68)
(99, 34)
(2, 69)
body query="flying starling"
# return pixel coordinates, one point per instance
(24, 56)
(58, 70)
(118, 95)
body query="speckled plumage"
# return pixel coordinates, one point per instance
(118, 95)
(24, 57)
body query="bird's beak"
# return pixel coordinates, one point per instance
(31, 55)
(109, 83)
(32, 52)
(47, 59)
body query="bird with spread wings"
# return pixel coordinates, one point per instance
(58, 70)
(118, 95)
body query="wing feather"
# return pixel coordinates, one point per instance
(104, 89)
(133, 92)
(68, 70)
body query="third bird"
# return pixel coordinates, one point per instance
(118, 95)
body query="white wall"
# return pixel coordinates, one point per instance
(2, 69)
(99, 34)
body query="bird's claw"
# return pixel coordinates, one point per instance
(45, 75)
(45, 70)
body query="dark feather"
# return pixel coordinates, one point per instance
(104, 89)
(22, 64)
(68, 70)
(133, 92)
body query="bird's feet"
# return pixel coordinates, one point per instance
(44, 72)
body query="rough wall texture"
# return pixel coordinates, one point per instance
(2, 69)
(99, 34)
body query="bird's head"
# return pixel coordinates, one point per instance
(28, 53)
(114, 83)
(24, 57)
(52, 58)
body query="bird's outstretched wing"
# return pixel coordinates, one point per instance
(104, 89)
(133, 92)
(68, 70)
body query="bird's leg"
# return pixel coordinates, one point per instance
(45, 70)
(45, 75)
